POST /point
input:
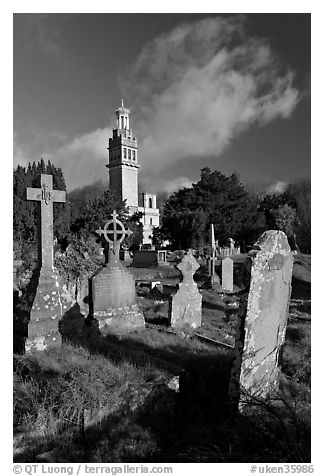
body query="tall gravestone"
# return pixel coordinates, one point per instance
(113, 299)
(263, 319)
(187, 302)
(47, 305)
(227, 274)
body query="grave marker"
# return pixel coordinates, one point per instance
(187, 302)
(47, 306)
(113, 299)
(227, 274)
(263, 318)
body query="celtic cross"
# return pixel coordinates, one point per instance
(114, 233)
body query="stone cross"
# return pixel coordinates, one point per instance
(46, 196)
(186, 305)
(114, 233)
(188, 266)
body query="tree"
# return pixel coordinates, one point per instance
(301, 192)
(217, 199)
(294, 207)
(25, 212)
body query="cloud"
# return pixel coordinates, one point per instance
(277, 187)
(192, 90)
(19, 155)
(196, 88)
(41, 32)
(83, 159)
(154, 183)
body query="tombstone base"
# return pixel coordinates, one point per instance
(42, 342)
(46, 312)
(126, 318)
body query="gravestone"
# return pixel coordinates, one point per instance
(214, 279)
(227, 274)
(113, 299)
(16, 264)
(47, 307)
(187, 302)
(262, 319)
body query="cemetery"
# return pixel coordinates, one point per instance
(165, 361)
(159, 330)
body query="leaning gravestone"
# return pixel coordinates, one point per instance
(263, 319)
(186, 303)
(227, 274)
(47, 305)
(112, 293)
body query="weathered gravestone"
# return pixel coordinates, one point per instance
(213, 277)
(47, 305)
(186, 303)
(227, 274)
(113, 299)
(262, 319)
(16, 264)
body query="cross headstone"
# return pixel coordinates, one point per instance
(262, 319)
(227, 274)
(186, 305)
(46, 196)
(113, 300)
(114, 233)
(48, 305)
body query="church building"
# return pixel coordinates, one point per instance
(123, 173)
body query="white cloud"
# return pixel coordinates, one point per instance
(277, 187)
(83, 160)
(192, 91)
(155, 183)
(199, 86)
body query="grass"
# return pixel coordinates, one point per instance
(107, 399)
(132, 416)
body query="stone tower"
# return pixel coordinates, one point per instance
(123, 174)
(122, 162)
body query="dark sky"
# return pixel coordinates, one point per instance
(230, 92)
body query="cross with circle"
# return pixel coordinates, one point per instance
(114, 233)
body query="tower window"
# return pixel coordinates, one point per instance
(151, 221)
(134, 155)
(150, 204)
(125, 153)
(129, 154)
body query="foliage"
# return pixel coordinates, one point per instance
(80, 196)
(25, 212)
(285, 219)
(216, 199)
(81, 258)
(290, 211)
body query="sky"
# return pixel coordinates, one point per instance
(228, 92)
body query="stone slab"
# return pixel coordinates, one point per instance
(112, 287)
(125, 318)
(263, 318)
(227, 274)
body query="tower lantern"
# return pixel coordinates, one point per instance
(122, 114)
